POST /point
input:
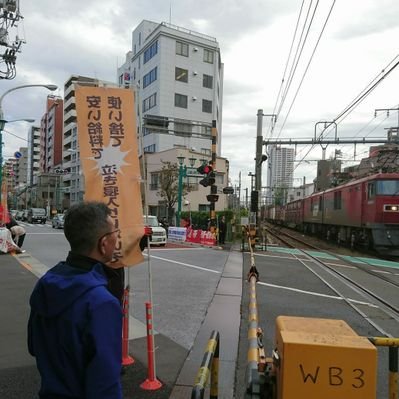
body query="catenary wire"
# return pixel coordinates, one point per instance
(307, 68)
(286, 66)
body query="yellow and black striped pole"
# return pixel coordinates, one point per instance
(393, 344)
(253, 384)
(209, 367)
(214, 189)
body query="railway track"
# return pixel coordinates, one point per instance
(387, 307)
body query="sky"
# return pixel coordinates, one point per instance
(359, 44)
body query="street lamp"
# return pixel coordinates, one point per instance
(182, 173)
(3, 121)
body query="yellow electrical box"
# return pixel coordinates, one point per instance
(323, 359)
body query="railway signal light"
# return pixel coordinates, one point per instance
(209, 179)
(203, 169)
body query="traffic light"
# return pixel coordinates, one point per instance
(254, 200)
(204, 169)
(209, 179)
(212, 197)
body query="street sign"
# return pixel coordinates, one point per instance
(228, 190)
(17, 154)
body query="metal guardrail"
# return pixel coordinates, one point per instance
(209, 368)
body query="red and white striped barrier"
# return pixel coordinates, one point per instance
(151, 383)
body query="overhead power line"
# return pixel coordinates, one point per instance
(307, 67)
(297, 57)
(286, 66)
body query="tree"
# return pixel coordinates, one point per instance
(169, 185)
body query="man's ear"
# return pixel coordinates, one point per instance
(101, 245)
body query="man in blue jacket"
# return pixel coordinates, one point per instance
(75, 325)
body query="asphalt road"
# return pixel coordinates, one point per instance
(184, 280)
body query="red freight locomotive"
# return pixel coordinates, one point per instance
(362, 212)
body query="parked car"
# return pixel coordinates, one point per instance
(25, 215)
(13, 213)
(158, 236)
(58, 221)
(19, 215)
(37, 215)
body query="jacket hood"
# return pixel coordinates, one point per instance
(62, 285)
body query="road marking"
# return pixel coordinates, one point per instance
(174, 249)
(345, 266)
(381, 271)
(274, 256)
(184, 264)
(317, 294)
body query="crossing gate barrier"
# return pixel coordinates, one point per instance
(209, 368)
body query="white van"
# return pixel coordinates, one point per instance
(158, 233)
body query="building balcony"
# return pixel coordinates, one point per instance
(68, 128)
(69, 102)
(70, 116)
(67, 139)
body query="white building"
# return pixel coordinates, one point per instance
(280, 170)
(179, 74)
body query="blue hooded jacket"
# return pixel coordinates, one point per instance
(75, 333)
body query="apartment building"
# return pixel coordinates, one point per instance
(73, 180)
(178, 76)
(280, 171)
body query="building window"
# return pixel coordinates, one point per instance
(180, 100)
(183, 128)
(151, 51)
(150, 102)
(207, 106)
(139, 38)
(154, 181)
(205, 130)
(206, 151)
(207, 81)
(150, 77)
(203, 207)
(181, 74)
(182, 49)
(150, 148)
(208, 56)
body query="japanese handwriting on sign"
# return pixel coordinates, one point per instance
(114, 103)
(94, 104)
(111, 192)
(94, 128)
(117, 133)
(116, 130)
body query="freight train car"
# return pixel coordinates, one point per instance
(360, 212)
